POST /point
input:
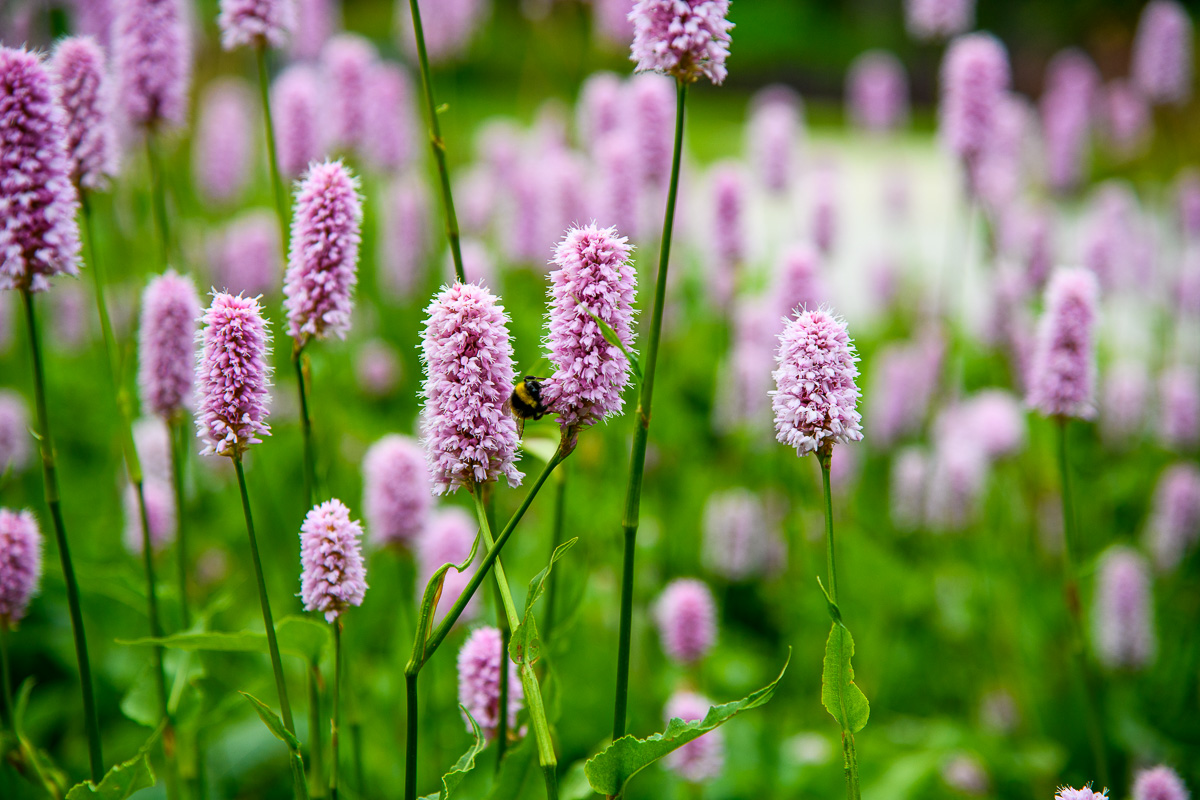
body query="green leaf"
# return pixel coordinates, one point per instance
(465, 763)
(611, 769)
(273, 722)
(574, 785)
(122, 780)
(53, 779)
(514, 771)
(140, 703)
(429, 601)
(839, 694)
(297, 636)
(611, 337)
(524, 646)
(835, 613)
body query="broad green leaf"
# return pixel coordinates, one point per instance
(297, 636)
(514, 771)
(429, 601)
(122, 780)
(273, 722)
(140, 703)
(303, 636)
(611, 769)
(611, 337)
(465, 763)
(524, 646)
(839, 694)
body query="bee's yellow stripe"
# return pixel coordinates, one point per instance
(523, 394)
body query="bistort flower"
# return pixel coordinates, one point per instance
(334, 576)
(233, 376)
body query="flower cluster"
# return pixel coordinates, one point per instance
(323, 262)
(1124, 611)
(975, 75)
(396, 493)
(20, 563)
(167, 343)
(334, 576)
(686, 615)
(152, 60)
(1063, 373)
(1162, 53)
(233, 375)
(40, 237)
(594, 280)
(685, 38)
(479, 681)
(467, 355)
(81, 79)
(700, 759)
(256, 23)
(816, 398)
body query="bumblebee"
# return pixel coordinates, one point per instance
(525, 402)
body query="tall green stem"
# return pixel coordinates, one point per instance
(438, 145)
(272, 645)
(160, 680)
(315, 755)
(1075, 610)
(6, 695)
(337, 708)
(272, 157)
(849, 756)
(89, 243)
(560, 495)
(50, 477)
(178, 463)
(424, 648)
(310, 469)
(159, 189)
(641, 433)
(489, 501)
(529, 682)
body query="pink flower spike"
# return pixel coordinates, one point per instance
(1174, 523)
(323, 262)
(81, 81)
(686, 616)
(334, 576)
(974, 78)
(816, 397)
(397, 497)
(1063, 373)
(468, 377)
(938, 19)
(1123, 611)
(160, 514)
(688, 39)
(594, 279)
(40, 236)
(1161, 64)
(877, 91)
(20, 563)
(296, 100)
(15, 439)
(167, 344)
(233, 375)
(479, 681)
(348, 62)
(1159, 783)
(225, 141)
(1086, 793)
(256, 23)
(447, 540)
(152, 59)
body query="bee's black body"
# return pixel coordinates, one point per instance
(526, 401)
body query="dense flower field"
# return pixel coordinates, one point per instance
(658, 441)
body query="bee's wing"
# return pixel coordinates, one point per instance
(507, 407)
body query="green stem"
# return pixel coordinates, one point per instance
(89, 243)
(849, 756)
(310, 469)
(505, 637)
(641, 434)
(50, 476)
(272, 645)
(159, 189)
(560, 495)
(178, 462)
(438, 145)
(6, 694)
(152, 599)
(529, 683)
(337, 708)
(272, 157)
(423, 649)
(316, 757)
(410, 739)
(1075, 609)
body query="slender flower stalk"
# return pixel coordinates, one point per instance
(233, 378)
(281, 209)
(641, 432)
(816, 407)
(438, 145)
